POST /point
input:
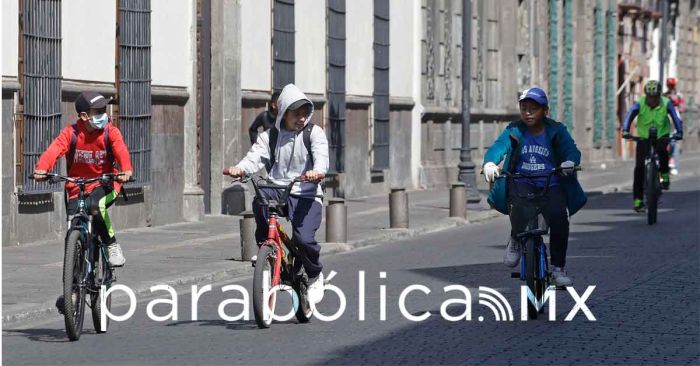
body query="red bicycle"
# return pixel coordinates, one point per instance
(276, 258)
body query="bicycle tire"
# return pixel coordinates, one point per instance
(531, 270)
(73, 265)
(102, 272)
(264, 262)
(651, 192)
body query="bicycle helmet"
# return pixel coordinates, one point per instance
(652, 88)
(671, 83)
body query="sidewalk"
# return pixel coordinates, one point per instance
(209, 251)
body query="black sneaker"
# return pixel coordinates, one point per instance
(639, 206)
(59, 305)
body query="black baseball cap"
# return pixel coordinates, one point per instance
(91, 100)
(298, 104)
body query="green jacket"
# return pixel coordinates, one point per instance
(507, 147)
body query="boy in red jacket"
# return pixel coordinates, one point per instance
(93, 146)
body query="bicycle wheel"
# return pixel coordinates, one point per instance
(264, 262)
(651, 192)
(303, 310)
(74, 270)
(532, 265)
(103, 276)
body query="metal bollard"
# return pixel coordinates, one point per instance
(398, 208)
(336, 221)
(458, 200)
(249, 246)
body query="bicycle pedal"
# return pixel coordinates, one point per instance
(60, 305)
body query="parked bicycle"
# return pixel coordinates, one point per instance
(652, 177)
(86, 265)
(276, 258)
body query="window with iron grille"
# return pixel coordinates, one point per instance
(283, 44)
(39, 119)
(380, 147)
(336, 85)
(134, 84)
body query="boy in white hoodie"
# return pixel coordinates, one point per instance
(293, 157)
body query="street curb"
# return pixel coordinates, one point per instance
(239, 269)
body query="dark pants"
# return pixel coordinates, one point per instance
(642, 153)
(305, 215)
(97, 203)
(553, 208)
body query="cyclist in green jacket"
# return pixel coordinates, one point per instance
(651, 110)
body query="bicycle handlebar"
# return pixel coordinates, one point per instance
(55, 178)
(287, 189)
(637, 138)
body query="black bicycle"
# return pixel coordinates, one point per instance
(534, 268)
(652, 177)
(86, 268)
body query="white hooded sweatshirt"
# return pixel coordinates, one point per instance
(292, 159)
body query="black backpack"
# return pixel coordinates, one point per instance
(274, 132)
(74, 141)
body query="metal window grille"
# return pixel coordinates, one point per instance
(283, 43)
(611, 61)
(135, 83)
(380, 146)
(553, 58)
(40, 91)
(569, 64)
(336, 84)
(598, 78)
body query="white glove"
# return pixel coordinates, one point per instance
(490, 172)
(567, 168)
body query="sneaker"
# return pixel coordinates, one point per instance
(665, 181)
(638, 205)
(559, 277)
(116, 258)
(511, 257)
(674, 171)
(316, 289)
(59, 305)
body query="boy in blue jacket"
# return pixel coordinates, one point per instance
(534, 145)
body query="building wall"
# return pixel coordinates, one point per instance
(310, 45)
(88, 57)
(359, 20)
(401, 60)
(9, 37)
(160, 201)
(171, 23)
(256, 45)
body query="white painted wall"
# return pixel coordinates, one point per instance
(88, 40)
(171, 59)
(310, 45)
(401, 38)
(256, 45)
(9, 37)
(359, 71)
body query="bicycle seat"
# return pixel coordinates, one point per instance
(531, 233)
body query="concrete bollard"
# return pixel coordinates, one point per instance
(336, 221)
(398, 208)
(249, 246)
(458, 200)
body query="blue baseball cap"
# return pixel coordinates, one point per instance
(536, 94)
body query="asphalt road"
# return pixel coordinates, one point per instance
(646, 304)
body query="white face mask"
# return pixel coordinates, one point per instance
(99, 122)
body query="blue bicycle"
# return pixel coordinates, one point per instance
(534, 268)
